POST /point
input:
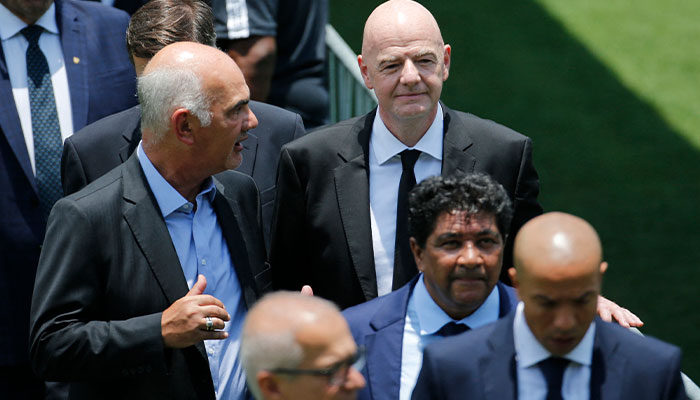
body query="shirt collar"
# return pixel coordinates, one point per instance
(12, 24)
(530, 351)
(385, 145)
(169, 200)
(431, 317)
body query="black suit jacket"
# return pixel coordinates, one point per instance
(625, 366)
(107, 271)
(321, 232)
(101, 81)
(101, 146)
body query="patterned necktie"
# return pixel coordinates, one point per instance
(404, 265)
(45, 128)
(553, 370)
(452, 328)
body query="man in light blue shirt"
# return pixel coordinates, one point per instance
(147, 273)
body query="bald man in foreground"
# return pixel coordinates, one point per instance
(147, 273)
(552, 346)
(299, 347)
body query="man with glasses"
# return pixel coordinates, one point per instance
(299, 347)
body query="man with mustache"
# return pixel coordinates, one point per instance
(458, 228)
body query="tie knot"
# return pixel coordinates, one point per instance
(553, 370)
(32, 33)
(409, 158)
(452, 328)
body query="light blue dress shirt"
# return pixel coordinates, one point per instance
(529, 352)
(423, 319)
(14, 46)
(202, 249)
(384, 177)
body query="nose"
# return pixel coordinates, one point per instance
(564, 319)
(409, 73)
(252, 119)
(469, 256)
(354, 381)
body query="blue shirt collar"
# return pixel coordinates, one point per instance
(385, 145)
(12, 24)
(431, 317)
(169, 200)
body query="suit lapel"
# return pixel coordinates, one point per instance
(607, 367)
(501, 358)
(455, 157)
(72, 31)
(383, 367)
(144, 218)
(352, 191)
(10, 125)
(228, 215)
(131, 136)
(250, 151)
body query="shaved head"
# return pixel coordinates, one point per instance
(558, 276)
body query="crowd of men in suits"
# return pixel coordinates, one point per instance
(134, 252)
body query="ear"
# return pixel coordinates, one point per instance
(446, 61)
(267, 382)
(364, 72)
(603, 267)
(182, 122)
(513, 273)
(417, 253)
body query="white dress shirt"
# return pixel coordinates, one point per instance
(14, 46)
(384, 177)
(423, 319)
(531, 383)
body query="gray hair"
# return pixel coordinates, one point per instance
(164, 90)
(269, 341)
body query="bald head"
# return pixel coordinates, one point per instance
(558, 276)
(287, 330)
(396, 18)
(555, 243)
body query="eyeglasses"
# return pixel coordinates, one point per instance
(336, 373)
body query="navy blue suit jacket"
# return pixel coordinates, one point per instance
(101, 81)
(625, 366)
(378, 325)
(102, 146)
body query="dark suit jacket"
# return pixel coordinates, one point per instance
(102, 82)
(625, 366)
(101, 146)
(378, 325)
(107, 271)
(321, 234)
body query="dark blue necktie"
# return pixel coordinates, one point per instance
(404, 264)
(452, 328)
(553, 370)
(45, 128)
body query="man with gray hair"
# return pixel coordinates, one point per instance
(147, 273)
(299, 347)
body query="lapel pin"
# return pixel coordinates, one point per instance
(76, 60)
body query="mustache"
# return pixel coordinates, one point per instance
(467, 273)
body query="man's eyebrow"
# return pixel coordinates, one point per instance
(426, 52)
(387, 60)
(239, 104)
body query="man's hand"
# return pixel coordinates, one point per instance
(609, 310)
(184, 322)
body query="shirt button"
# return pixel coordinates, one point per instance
(204, 261)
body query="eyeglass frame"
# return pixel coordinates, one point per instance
(356, 361)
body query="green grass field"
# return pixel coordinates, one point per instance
(609, 90)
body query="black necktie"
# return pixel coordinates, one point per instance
(452, 328)
(553, 371)
(45, 129)
(404, 265)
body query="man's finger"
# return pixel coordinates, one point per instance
(307, 291)
(213, 335)
(215, 311)
(198, 287)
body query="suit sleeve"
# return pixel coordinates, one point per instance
(299, 129)
(675, 389)
(68, 338)
(72, 173)
(287, 255)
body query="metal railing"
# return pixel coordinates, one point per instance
(348, 95)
